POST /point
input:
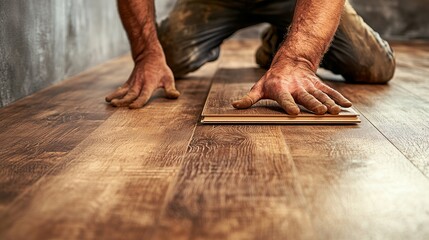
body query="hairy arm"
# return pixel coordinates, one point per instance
(150, 71)
(138, 19)
(292, 76)
(313, 27)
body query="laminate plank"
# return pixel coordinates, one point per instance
(412, 71)
(114, 182)
(398, 114)
(236, 182)
(238, 54)
(399, 109)
(39, 130)
(357, 184)
(415, 55)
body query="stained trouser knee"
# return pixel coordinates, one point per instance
(180, 58)
(188, 60)
(378, 72)
(193, 32)
(271, 40)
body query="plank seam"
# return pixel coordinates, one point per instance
(171, 187)
(402, 153)
(52, 169)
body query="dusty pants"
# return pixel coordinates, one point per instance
(192, 34)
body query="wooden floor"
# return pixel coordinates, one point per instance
(73, 167)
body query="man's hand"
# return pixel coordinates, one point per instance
(292, 77)
(291, 84)
(150, 72)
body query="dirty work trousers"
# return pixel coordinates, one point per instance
(192, 34)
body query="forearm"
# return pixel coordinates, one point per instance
(313, 27)
(138, 18)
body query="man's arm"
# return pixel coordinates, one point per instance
(292, 76)
(150, 70)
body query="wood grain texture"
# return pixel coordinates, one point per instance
(38, 131)
(115, 180)
(412, 68)
(357, 184)
(237, 182)
(399, 109)
(401, 116)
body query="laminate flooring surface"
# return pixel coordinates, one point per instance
(73, 167)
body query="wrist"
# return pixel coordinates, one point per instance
(151, 56)
(286, 63)
(151, 50)
(145, 42)
(293, 51)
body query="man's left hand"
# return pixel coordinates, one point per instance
(294, 83)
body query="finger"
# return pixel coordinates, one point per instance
(118, 93)
(336, 96)
(247, 101)
(288, 104)
(132, 94)
(170, 89)
(326, 100)
(125, 101)
(144, 97)
(310, 102)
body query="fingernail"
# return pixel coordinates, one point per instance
(293, 111)
(115, 103)
(321, 110)
(335, 110)
(236, 104)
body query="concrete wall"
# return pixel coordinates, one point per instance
(396, 19)
(45, 41)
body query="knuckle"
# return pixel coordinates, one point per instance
(319, 84)
(314, 91)
(274, 76)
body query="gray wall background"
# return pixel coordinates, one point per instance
(45, 41)
(396, 19)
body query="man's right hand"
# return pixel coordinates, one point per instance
(150, 73)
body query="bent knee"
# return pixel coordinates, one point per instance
(183, 62)
(180, 63)
(184, 56)
(378, 72)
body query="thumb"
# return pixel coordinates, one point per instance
(247, 101)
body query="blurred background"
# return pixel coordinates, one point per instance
(46, 41)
